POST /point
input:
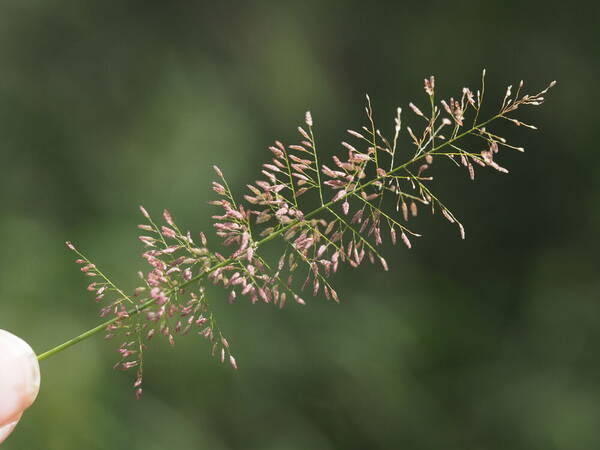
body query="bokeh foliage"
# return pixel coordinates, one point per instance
(488, 343)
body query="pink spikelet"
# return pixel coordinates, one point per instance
(308, 119)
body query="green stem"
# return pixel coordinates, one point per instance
(88, 334)
(325, 206)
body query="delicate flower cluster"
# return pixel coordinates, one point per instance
(347, 223)
(166, 304)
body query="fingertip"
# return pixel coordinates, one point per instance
(19, 377)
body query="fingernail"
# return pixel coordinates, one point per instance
(19, 376)
(7, 429)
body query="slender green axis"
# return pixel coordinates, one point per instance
(324, 206)
(87, 334)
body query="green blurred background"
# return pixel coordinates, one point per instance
(488, 343)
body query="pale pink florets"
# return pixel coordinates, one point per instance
(364, 194)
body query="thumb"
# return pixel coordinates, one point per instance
(19, 380)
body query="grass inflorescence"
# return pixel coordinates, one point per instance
(344, 220)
